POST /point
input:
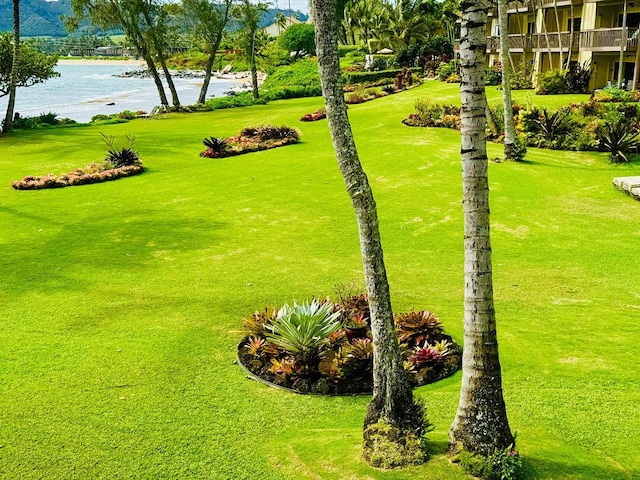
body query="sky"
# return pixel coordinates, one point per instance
(302, 5)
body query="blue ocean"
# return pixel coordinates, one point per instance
(84, 90)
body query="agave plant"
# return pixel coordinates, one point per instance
(124, 156)
(417, 328)
(303, 327)
(617, 139)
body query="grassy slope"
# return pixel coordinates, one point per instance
(121, 302)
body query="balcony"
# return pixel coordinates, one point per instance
(602, 40)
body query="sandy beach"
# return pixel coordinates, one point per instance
(84, 61)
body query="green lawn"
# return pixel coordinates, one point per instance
(122, 302)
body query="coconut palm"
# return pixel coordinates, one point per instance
(248, 14)
(8, 119)
(392, 399)
(481, 424)
(507, 65)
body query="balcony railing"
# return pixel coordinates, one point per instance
(604, 39)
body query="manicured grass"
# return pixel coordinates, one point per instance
(122, 302)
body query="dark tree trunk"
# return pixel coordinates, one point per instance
(159, 50)
(392, 397)
(481, 424)
(202, 97)
(254, 68)
(8, 119)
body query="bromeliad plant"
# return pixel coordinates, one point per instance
(307, 347)
(124, 156)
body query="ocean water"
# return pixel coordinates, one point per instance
(85, 90)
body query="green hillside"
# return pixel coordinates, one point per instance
(37, 17)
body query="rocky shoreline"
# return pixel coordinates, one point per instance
(242, 79)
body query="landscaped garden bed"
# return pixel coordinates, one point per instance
(326, 348)
(119, 163)
(250, 139)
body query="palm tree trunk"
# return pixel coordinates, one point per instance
(571, 32)
(254, 68)
(509, 124)
(207, 77)
(159, 50)
(153, 70)
(555, 10)
(480, 425)
(8, 119)
(546, 34)
(392, 397)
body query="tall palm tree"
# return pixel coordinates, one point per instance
(409, 22)
(8, 119)
(392, 397)
(481, 424)
(507, 65)
(210, 18)
(248, 14)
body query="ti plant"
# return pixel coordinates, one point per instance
(617, 139)
(123, 157)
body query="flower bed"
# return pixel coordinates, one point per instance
(318, 348)
(93, 173)
(319, 114)
(250, 139)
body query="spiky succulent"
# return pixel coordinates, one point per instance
(217, 145)
(303, 327)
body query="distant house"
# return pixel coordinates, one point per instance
(275, 30)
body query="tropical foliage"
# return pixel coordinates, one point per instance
(33, 66)
(326, 347)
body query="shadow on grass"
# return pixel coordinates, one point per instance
(53, 259)
(536, 468)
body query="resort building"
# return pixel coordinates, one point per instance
(599, 33)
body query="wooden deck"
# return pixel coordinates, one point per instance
(631, 185)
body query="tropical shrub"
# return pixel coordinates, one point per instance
(522, 75)
(552, 82)
(573, 80)
(382, 77)
(42, 120)
(615, 94)
(493, 74)
(418, 328)
(303, 73)
(447, 69)
(500, 465)
(558, 130)
(428, 114)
